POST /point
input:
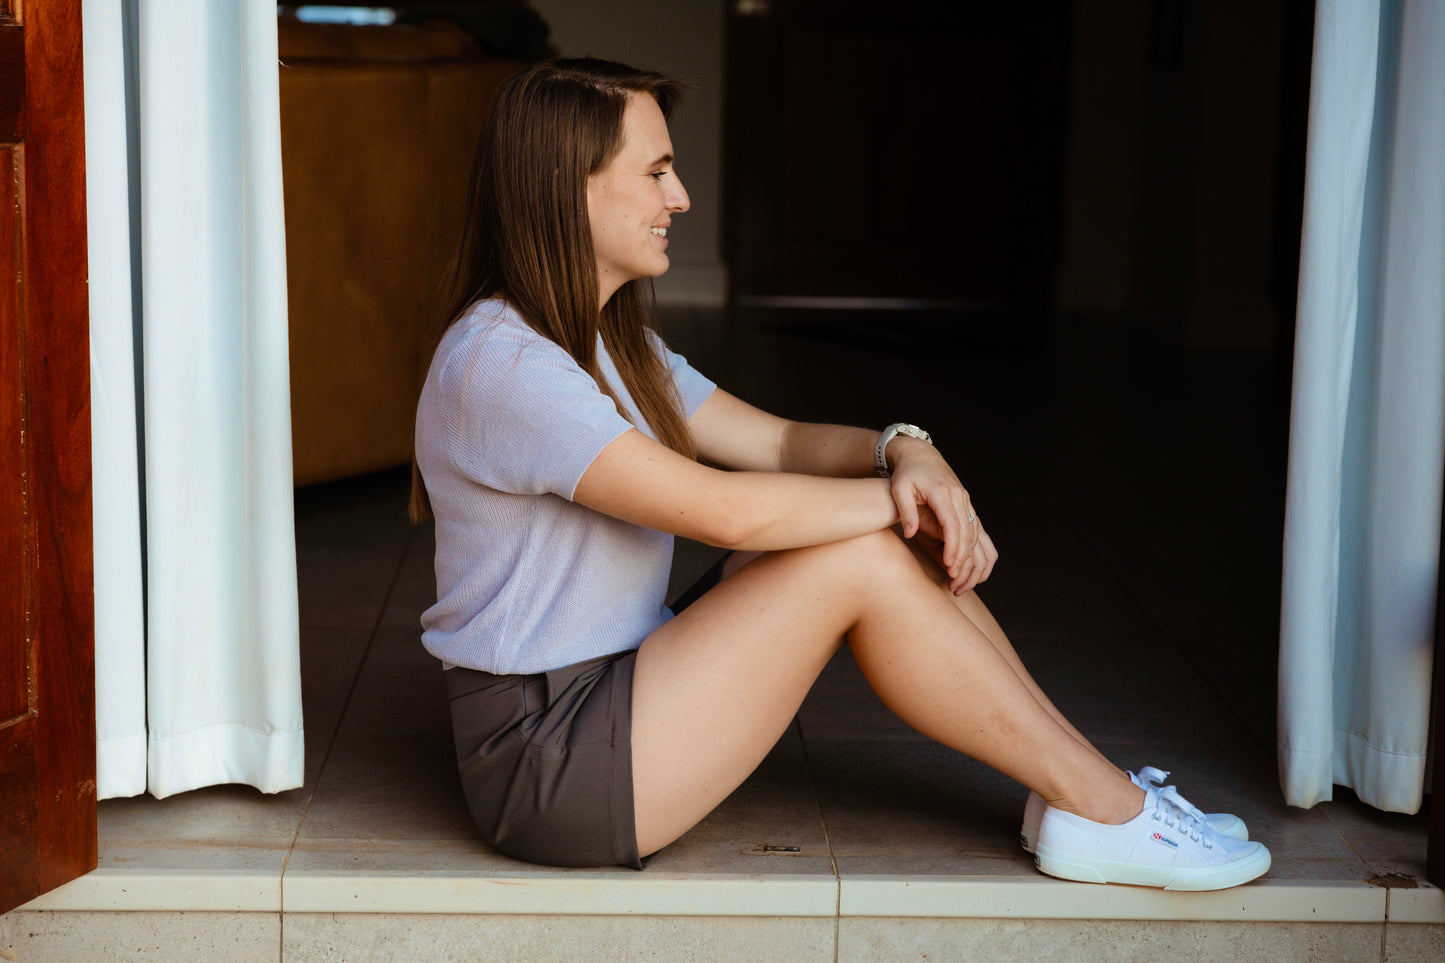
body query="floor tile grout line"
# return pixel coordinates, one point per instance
(827, 839)
(1385, 928)
(346, 703)
(1369, 869)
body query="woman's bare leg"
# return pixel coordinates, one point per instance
(974, 609)
(978, 613)
(716, 687)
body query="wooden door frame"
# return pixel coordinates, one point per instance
(45, 324)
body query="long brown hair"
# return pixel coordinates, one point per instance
(527, 237)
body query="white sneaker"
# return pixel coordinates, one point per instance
(1163, 846)
(1033, 815)
(1147, 778)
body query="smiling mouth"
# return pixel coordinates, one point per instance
(660, 231)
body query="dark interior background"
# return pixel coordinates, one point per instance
(1136, 160)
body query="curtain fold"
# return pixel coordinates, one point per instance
(222, 688)
(119, 613)
(1367, 434)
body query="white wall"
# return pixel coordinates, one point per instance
(683, 38)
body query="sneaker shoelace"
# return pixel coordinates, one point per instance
(1167, 809)
(1155, 779)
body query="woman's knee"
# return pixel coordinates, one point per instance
(876, 558)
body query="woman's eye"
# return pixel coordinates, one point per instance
(658, 175)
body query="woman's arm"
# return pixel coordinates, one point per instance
(734, 434)
(731, 433)
(784, 491)
(640, 481)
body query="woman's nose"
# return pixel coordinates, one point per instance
(677, 197)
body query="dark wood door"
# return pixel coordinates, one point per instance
(895, 150)
(47, 661)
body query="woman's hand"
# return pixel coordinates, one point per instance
(975, 569)
(931, 499)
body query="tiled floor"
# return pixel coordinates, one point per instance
(1135, 494)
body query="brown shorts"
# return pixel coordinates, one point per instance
(546, 760)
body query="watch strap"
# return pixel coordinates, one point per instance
(880, 450)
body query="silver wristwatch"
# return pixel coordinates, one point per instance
(880, 458)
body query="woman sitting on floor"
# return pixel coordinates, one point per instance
(561, 446)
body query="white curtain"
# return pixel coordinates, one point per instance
(1367, 433)
(184, 179)
(119, 613)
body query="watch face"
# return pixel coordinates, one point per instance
(913, 431)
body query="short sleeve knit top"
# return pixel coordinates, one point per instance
(527, 580)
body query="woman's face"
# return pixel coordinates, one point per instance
(630, 202)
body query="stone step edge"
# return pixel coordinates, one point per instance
(634, 894)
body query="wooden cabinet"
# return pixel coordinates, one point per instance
(378, 125)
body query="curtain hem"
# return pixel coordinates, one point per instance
(1391, 781)
(120, 766)
(1305, 776)
(226, 753)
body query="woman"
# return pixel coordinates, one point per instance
(561, 446)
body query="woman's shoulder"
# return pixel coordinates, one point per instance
(491, 342)
(489, 330)
(488, 319)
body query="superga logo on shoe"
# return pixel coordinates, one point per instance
(1161, 838)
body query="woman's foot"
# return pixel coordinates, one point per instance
(1164, 846)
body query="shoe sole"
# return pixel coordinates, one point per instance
(1187, 879)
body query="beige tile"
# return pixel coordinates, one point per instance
(344, 588)
(730, 858)
(372, 855)
(379, 785)
(223, 816)
(217, 855)
(1384, 840)
(47, 937)
(367, 511)
(617, 892)
(1421, 904)
(400, 689)
(1006, 863)
(1342, 868)
(912, 798)
(1115, 940)
(330, 661)
(180, 889)
(1414, 942)
(1039, 897)
(415, 589)
(351, 537)
(354, 938)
